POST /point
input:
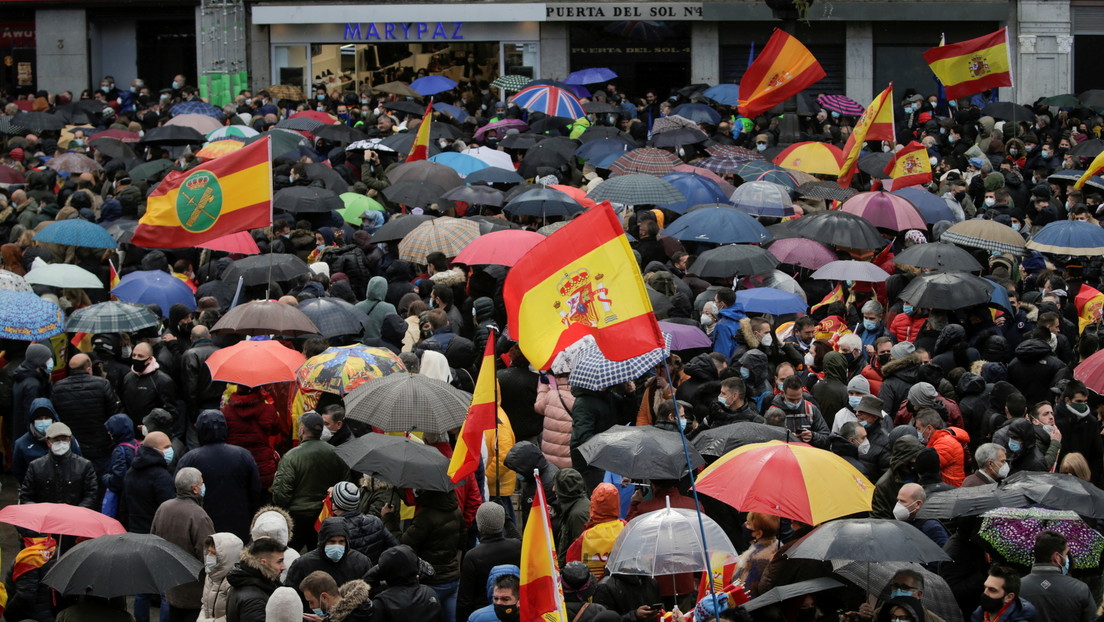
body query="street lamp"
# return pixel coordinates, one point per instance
(789, 11)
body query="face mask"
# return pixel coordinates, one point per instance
(344, 116)
(920, 435)
(203, 490)
(722, 401)
(175, 84)
(853, 401)
(760, 147)
(990, 604)
(744, 373)
(850, 358)
(1066, 565)
(105, 89)
(1014, 446)
(990, 201)
(41, 425)
(133, 89)
(319, 613)
(767, 339)
(326, 434)
(1081, 410)
(900, 512)
(139, 366)
(320, 97)
(1044, 153)
(507, 613)
(898, 593)
(59, 448)
(169, 453)
(870, 324)
(809, 359)
(1016, 226)
(127, 351)
(209, 563)
(792, 405)
(865, 424)
(706, 319)
(958, 196)
(952, 138)
(835, 115)
(1003, 471)
(1013, 152)
(779, 385)
(934, 161)
(886, 148)
(864, 448)
(334, 552)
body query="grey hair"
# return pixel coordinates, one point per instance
(186, 478)
(987, 453)
(849, 430)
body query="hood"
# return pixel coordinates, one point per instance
(484, 309)
(905, 449)
(397, 565)
(995, 348)
(363, 241)
(154, 260)
(605, 504)
(1025, 431)
(902, 366)
(757, 364)
(444, 501)
(569, 486)
(211, 427)
(913, 606)
(284, 605)
(149, 458)
(1032, 350)
(701, 367)
(948, 337)
(835, 367)
(735, 312)
(228, 548)
(344, 291)
(353, 595)
(398, 271)
(454, 276)
(42, 403)
(970, 384)
(271, 522)
(393, 329)
(377, 288)
(120, 427)
(110, 211)
(333, 527)
(523, 457)
(501, 570)
(435, 365)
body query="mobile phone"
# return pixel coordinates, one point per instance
(656, 607)
(804, 427)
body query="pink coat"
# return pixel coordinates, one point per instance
(556, 437)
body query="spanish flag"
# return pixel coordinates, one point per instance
(972, 66)
(542, 597)
(835, 295)
(420, 149)
(218, 197)
(1090, 305)
(783, 69)
(581, 280)
(327, 510)
(1095, 167)
(876, 123)
(35, 554)
(909, 166)
(470, 445)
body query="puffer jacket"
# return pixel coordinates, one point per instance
(1035, 370)
(574, 510)
(973, 403)
(352, 565)
(199, 389)
(233, 485)
(273, 522)
(250, 421)
(485, 325)
(251, 583)
(368, 534)
(437, 534)
(375, 306)
(951, 349)
(699, 371)
(28, 384)
(216, 589)
(555, 404)
(353, 261)
(85, 402)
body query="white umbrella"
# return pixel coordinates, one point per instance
(493, 157)
(13, 282)
(62, 275)
(668, 541)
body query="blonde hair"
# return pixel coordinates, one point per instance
(767, 524)
(1076, 465)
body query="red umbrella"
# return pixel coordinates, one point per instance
(120, 135)
(321, 117)
(9, 175)
(575, 193)
(240, 243)
(499, 248)
(1091, 372)
(61, 519)
(253, 363)
(885, 210)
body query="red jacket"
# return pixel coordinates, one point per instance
(952, 455)
(250, 421)
(874, 377)
(905, 327)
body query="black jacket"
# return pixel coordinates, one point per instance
(141, 394)
(1034, 370)
(522, 458)
(437, 534)
(85, 402)
(722, 415)
(367, 534)
(200, 391)
(148, 484)
(624, 593)
(28, 383)
(518, 396)
(492, 551)
(233, 482)
(352, 565)
(1081, 435)
(250, 587)
(403, 599)
(67, 479)
(899, 376)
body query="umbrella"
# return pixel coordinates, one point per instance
(1012, 532)
(446, 235)
(148, 170)
(464, 165)
(726, 261)
(154, 287)
(800, 252)
(639, 452)
(260, 269)
(790, 480)
(938, 256)
(592, 75)
(403, 142)
(319, 116)
(414, 193)
(286, 91)
(253, 363)
(341, 369)
(1069, 237)
(356, 205)
(828, 190)
(885, 210)
(265, 317)
(678, 138)
(763, 198)
(811, 157)
(283, 141)
(397, 460)
(73, 163)
(490, 224)
(330, 178)
(501, 126)
(399, 226)
(577, 90)
(306, 199)
(339, 133)
(1008, 111)
(501, 248)
(408, 107)
(672, 123)
(112, 147)
(226, 131)
(240, 243)
(76, 232)
(12, 282)
(39, 121)
(1088, 149)
(946, 290)
(636, 189)
(196, 106)
(9, 175)
(783, 593)
(697, 189)
(335, 317)
(838, 228)
(868, 540)
(431, 85)
(492, 157)
(1066, 100)
(718, 225)
(971, 501)
(426, 171)
(987, 234)
(1089, 371)
(841, 104)
(604, 147)
(521, 142)
(931, 207)
(219, 148)
(1069, 175)
(543, 202)
(849, 270)
(476, 195)
(874, 578)
(63, 275)
(407, 403)
(1059, 491)
(601, 108)
(122, 564)
(174, 134)
(592, 370)
(645, 160)
(26, 317)
(453, 111)
(698, 113)
(1092, 97)
(111, 317)
(874, 164)
(716, 442)
(669, 541)
(511, 83)
(685, 336)
(769, 300)
(61, 519)
(724, 94)
(396, 88)
(551, 100)
(199, 122)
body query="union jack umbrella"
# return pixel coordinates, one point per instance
(550, 100)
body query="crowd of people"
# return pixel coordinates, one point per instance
(920, 401)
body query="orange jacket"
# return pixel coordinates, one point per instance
(952, 456)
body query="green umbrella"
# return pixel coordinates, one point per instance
(1062, 101)
(150, 169)
(356, 205)
(283, 141)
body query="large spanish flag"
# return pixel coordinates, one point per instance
(836, 295)
(783, 69)
(972, 66)
(876, 123)
(582, 280)
(1090, 306)
(542, 597)
(420, 149)
(909, 166)
(470, 446)
(219, 197)
(1095, 167)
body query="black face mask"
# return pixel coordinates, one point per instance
(958, 196)
(883, 358)
(508, 613)
(138, 366)
(990, 604)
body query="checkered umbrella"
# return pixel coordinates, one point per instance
(445, 234)
(26, 317)
(592, 370)
(987, 234)
(334, 316)
(408, 403)
(646, 160)
(740, 153)
(12, 282)
(511, 83)
(720, 164)
(7, 126)
(636, 190)
(303, 124)
(111, 317)
(73, 163)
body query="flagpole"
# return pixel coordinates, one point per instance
(497, 454)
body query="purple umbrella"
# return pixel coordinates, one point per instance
(802, 252)
(685, 336)
(841, 104)
(592, 75)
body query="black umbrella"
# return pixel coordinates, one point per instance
(440, 129)
(173, 135)
(874, 164)
(303, 199)
(838, 228)
(256, 270)
(494, 175)
(783, 593)
(397, 228)
(476, 195)
(330, 178)
(825, 190)
(340, 133)
(717, 442)
(972, 501)
(71, 115)
(487, 224)
(403, 142)
(334, 317)
(413, 193)
(559, 144)
(1092, 97)
(729, 260)
(874, 578)
(1057, 491)
(639, 452)
(302, 124)
(409, 108)
(543, 202)
(121, 565)
(39, 121)
(1008, 111)
(398, 461)
(112, 148)
(679, 137)
(547, 158)
(868, 540)
(520, 141)
(607, 131)
(938, 256)
(550, 125)
(1088, 149)
(601, 108)
(947, 290)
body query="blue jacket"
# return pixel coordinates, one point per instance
(121, 429)
(32, 444)
(726, 330)
(487, 614)
(230, 473)
(148, 484)
(1020, 611)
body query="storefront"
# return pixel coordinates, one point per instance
(17, 53)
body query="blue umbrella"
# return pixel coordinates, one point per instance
(494, 175)
(1069, 237)
(999, 296)
(725, 94)
(431, 85)
(590, 369)
(717, 225)
(76, 232)
(604, 147)
(607, 160)
(590, 76)
(697, 189)
(932, 207)
(462, 163)
(456, 113)
(196, 106)
(773, 301)
(154, 287)
(698, 113)
(26, 317)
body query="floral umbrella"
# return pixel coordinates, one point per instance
(1012, 532)
(341, 369)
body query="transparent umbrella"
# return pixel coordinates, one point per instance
(668, 541)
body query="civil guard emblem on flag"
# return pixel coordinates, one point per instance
(199, 202)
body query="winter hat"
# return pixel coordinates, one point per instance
(923, 395)
(312, 421)
(16, 154)
(158, 420)
(1041, 191)
(284, 606)
(346, 496)
(57, 429)
(38, 354)
(993, 373)
(992, 182)
(490, 518)
(859, 384)
(901, 350)
(870, 405)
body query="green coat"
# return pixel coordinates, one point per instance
(305, 474)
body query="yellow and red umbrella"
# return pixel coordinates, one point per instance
(792, 480)
(342, 369)
(811, 157)
(219, 148)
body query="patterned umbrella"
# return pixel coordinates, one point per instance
(232, 131)
(987, 234)
(511, 83)
(645, 160)
(885, 210)
(76, 232)
(74, 163)
(721, 164)
(1069, 237)
(550, 100)
(829, 190)
(801, 252)
(1012, 532)
(407, 403)
(740, 153)
(592, 370)
(753, 169)
(196, 106)
(663, 125)
(636, 189)
(841, 104)
(265, 317)
(26, 317)
(334, 317)
(340, 370)
(253, 363)
(12, 282)
(219, 148)
(154, 287)
(445, 234)
(763, 198)
(300, 124)
(111, 317)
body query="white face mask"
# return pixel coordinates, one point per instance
(767, 339)
(1003, 471)
(900, 511)
(326, 434)
(864, 447)
(990, 201)
(809, 359)
(59, 448)
(209, 563)
(706, 319)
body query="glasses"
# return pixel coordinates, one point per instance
(903, 586)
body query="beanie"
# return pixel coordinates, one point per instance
(923, 395)
(901, 350)
(490, 518)
(346, 496)
(859, 384)
(38, 354)
(16, 154)
(994, 181)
